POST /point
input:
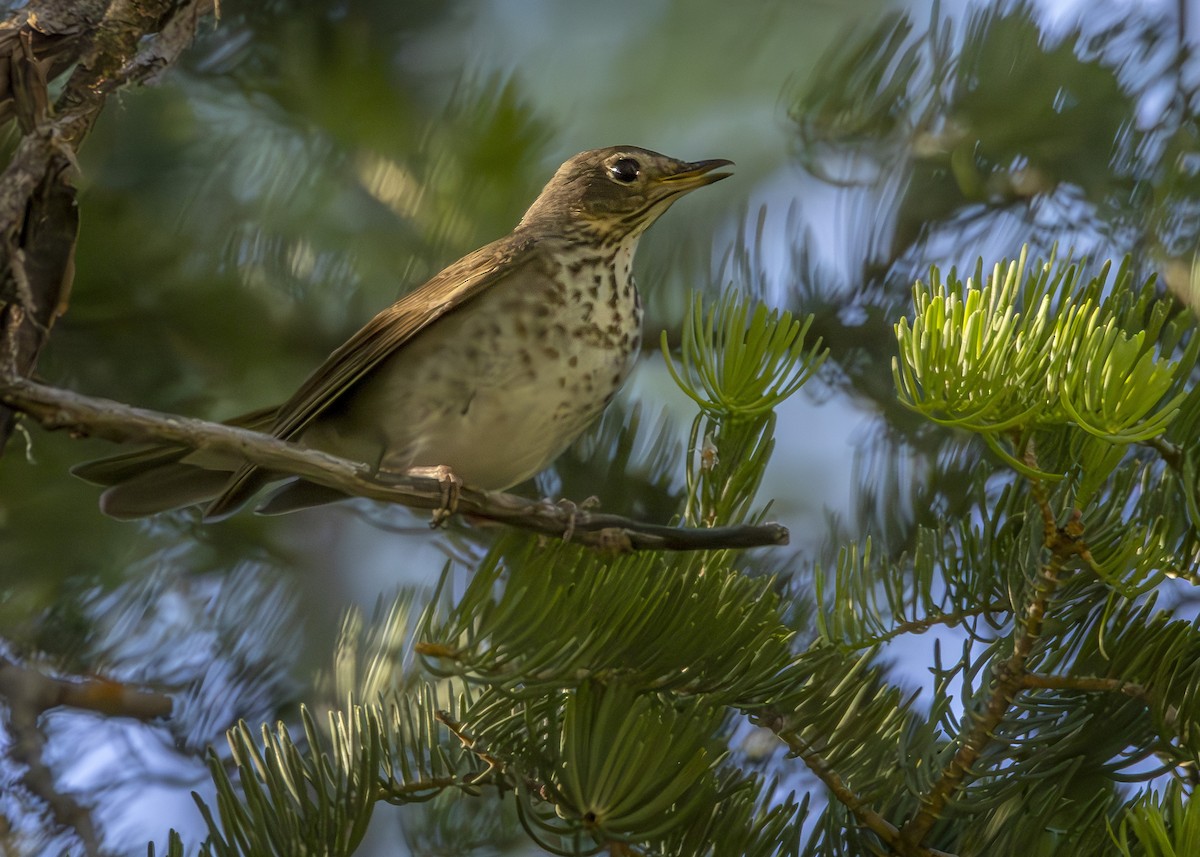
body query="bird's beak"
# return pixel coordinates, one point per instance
(696, 174)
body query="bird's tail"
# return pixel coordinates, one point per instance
(148, 481)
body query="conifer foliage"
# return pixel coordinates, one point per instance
(606, 703)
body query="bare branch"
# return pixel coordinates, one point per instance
(60, 409)
(29, 694)
(40, 692)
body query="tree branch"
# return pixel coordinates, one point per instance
(29, 694)
(40, 692)
(888, 833)
(106, 41)
(81, 415)
(920, 626)
(1171, 454)
(1009, 675)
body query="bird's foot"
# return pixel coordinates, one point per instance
(451, 486)
(573, 509)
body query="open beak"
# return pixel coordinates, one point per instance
(696, 174)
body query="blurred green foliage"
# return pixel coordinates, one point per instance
(307, 162)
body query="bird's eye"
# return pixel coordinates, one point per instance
(625, 170)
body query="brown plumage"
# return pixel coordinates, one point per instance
(491, 368)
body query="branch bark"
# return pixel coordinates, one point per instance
(81, 415)
(58, 34)
(948, 620)
(107, 43)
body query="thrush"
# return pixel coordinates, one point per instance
(489, 370)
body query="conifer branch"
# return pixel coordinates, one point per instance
(1170, 453)
(402, 796)
(858, 807)
(472, 744)
(81, 415)
(1010, 674)
(844, 795)
(496, 766)
(1095, 684)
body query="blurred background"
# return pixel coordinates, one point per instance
(309, 161)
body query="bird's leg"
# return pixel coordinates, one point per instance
(450, 485)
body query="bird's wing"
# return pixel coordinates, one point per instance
(375, 342)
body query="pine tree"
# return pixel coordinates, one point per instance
(611, 703)
(1030, 503)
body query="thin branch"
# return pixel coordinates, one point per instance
(1008, 675)
(866, 816)
(472, 744)
(403, 796)
(41, 692)
(858, 806)
(1092, 684)
(1084, 684)
(1171, 454)
(29, 694)
(949, 620)
(81, 415)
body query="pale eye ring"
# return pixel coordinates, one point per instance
(625, 170)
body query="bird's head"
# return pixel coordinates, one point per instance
(617, 192)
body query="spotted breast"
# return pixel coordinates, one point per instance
(502, 390)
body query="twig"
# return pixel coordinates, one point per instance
(29, 694)
(1171, 453)
(403, 796)
(42, 692)
(920, 626)
(472, 744)
(866, 816)
(82, 415)
(1084, 684)
(1094, 684)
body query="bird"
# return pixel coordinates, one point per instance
(483, 375)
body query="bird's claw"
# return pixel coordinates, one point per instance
(451, 487)
(573, 509)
